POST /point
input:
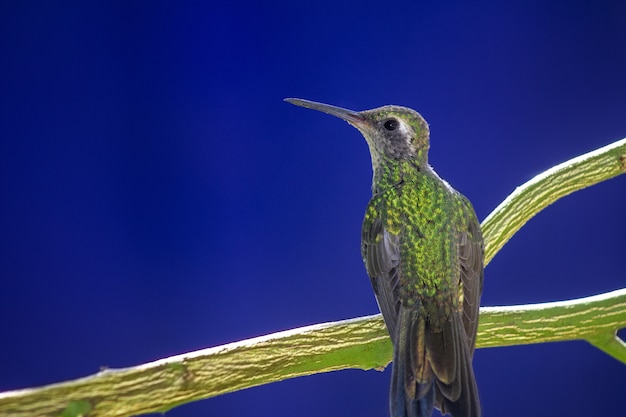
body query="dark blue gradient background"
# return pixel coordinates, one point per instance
(158, 196)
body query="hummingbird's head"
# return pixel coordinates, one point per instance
(393, 133)
(396, 133)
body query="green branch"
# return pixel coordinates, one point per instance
(538, 193)
(360, 343)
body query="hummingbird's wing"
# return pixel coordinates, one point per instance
(457, 393)
(471, 261)
(460, 396)
(381, 252)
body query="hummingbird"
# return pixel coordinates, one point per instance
(423, 251)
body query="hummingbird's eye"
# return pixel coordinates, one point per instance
(391, 124)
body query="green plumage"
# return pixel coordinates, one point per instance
(423, 252)
(427, 216)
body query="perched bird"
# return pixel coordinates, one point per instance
(423, 251)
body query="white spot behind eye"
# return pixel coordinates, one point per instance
(407, 133)
(402, 127)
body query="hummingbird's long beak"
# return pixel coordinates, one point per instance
(349, 116)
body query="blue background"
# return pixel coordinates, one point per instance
(158, 196)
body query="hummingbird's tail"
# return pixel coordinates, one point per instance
(432, 369)
(412, 381)
(402, 400)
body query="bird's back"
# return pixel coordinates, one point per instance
(423, 252)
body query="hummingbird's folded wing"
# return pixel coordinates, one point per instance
(472, 275)
(381, 253)
(459, 396)
(457, 392)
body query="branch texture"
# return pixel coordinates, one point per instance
(360, 343)
(544, 189)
